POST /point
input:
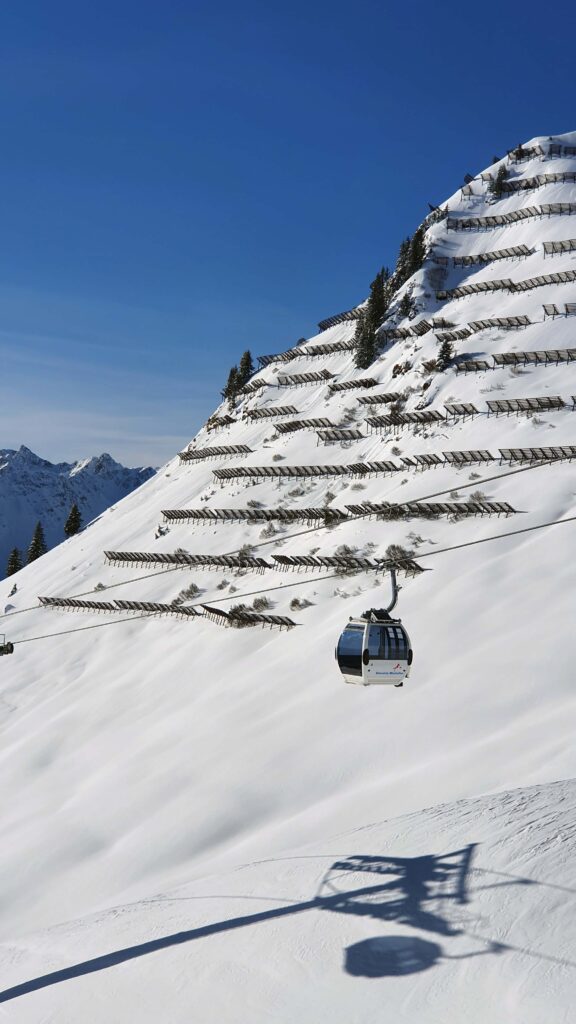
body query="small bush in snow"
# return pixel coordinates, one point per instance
(260, 604)
(396, 551)
(189, 592)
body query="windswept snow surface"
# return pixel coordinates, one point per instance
(462, 912)
(144, 755)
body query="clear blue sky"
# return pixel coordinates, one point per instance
(183, 180)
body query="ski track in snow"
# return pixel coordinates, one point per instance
(154, 756)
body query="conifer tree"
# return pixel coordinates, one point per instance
(416, 251)
(365, 342)
(379, 298)
(245, 369)
(496, 185)
(74, 521)
(445, 355)
(14, 562)
(406, 305)
(232, 385)
(37, 544)
(401, 272)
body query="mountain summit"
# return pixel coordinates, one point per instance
(33, 489)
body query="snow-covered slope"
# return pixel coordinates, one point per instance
(33, 489)
(144, 754)
(462, 912)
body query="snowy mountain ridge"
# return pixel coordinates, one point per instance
(147, 758)
(33, 489)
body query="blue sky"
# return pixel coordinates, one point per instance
(183, 180)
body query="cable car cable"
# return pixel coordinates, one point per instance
(285, 586)
(300, 533)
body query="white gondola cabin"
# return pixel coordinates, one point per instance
(5, 646)
(372, 651)
(375, 649)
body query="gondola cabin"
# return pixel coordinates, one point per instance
(5, 646)
(374, 650)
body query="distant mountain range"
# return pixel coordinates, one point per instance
(33, 489)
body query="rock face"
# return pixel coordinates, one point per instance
(33, 489)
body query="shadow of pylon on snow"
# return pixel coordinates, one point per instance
(408, 890)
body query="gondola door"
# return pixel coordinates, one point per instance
(385, 654)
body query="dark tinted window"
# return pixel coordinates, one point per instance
(349, 650)
(387, 643)
(394, 641)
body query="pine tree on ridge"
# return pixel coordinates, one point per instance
(14, 562)
(73, 522)
(37, 544)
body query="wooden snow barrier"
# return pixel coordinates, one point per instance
(515, 406)
(263, 413)
(464, 409)
(546, 357)
(258, 473)
(536, 181)
(297, 380)
(553, 248)
(562, 453)
(468, 458)
(440, 323)
(243, 616)
(502, 219)
(257, 516)
(327, 348)
(197, 454)
(218, 422)
(131, 559)
(511, 252)
(266, 360)
(523, 153)
(253, 386)
(431, 510)
(460, 334)
(392, 421)
(506, 284)
(421, 327)
(503, 284)
(504, 323)
(384, 399)
(346, 564)
(152, 608)
(311, 424)
(350, 385)
(338, 318)
(553, 310)
(428, 461)
(73, 604)
(335, 434)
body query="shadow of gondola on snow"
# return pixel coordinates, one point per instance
(390, 956)
(419, 892)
